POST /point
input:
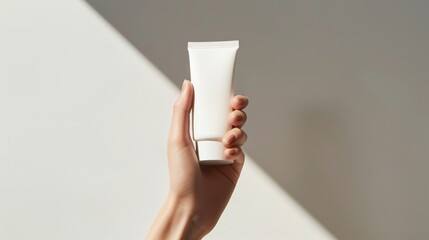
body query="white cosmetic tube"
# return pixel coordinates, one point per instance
(212, 72)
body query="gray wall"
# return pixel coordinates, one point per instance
(339, 93)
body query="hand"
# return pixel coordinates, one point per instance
(199, 193)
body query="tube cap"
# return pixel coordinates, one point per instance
(211, 153)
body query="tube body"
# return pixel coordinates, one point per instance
(212, 72)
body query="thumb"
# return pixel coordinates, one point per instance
(179, 131)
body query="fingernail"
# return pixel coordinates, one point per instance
(241, 100)
(239, 118)
(233, 151)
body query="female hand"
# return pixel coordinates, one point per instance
(198, 193)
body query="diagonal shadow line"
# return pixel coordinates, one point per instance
(165, 53)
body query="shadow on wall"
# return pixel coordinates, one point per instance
(322, 173)
(331, 136)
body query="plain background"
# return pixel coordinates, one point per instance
(339, 91)
(83, 126)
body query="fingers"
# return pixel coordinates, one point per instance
(237, 118)
(179, 131)
(235, 137)
(239, 102)
(235, 154)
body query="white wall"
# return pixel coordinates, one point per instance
(83, 127)
(339, 91)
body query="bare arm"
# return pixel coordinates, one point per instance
(198, 194)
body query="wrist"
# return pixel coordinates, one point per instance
(177, 219)
(187, 211)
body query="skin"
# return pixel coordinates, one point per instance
(198, 194)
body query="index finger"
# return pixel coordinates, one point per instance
(239, 102)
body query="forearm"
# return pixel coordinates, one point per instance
(175, 220)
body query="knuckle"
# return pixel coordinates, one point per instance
(239, 132)
(243, 137)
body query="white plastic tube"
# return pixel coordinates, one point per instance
(212, 72)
